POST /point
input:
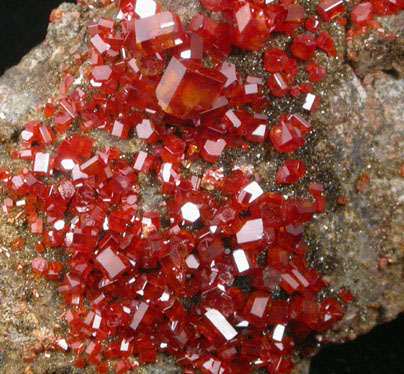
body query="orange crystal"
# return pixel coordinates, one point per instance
(187, 86)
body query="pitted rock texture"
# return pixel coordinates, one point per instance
(359, 131)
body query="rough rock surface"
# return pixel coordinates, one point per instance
(359, 130)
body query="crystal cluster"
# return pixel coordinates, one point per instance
(170, 283)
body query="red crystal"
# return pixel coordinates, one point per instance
(192, 48)
(122, 366)
(49, 109)
(217, 38)
(101, 73)
(316, 72)
(39, 265)
(244, 261)
(275, 60)
(279, 365)
(311, 102)
(303, 47)
(316, 189)
(293, 20)
(312, 24)
(362, 14)
(111, 263)
(277, 85)
(146, 131)
(257, 307)
(387, 7)
(277, 258)
(188, 86)
(250, 233)
(331, 9)
(346, 295)
(326, 43)
(216, 328)
(159, 32)
(250, 27)
(331, 311)
(129, 9)
(54, 271)
(143, 162)
(174, 149)
(217, 5)
(286, 138)
(276, 15)
(212, 150)
(43, 164)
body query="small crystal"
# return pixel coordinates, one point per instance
(212, 150)
(303, 46)
(42, 164)
(190, 212)
(330, 9)
(252, 230)
(111, 263)
(311, 102)
(221, 324)
(159, 32)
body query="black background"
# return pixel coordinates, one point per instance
(23, 25)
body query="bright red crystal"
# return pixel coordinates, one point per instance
(159, 32)
(146, 131)
(330, 9)
(312, 24)
(277, 85)
(250, 27)
(326, 43)
(331, 311)
(257, 308)
(275, 60)
(286, 137)
(279, 364)
(251, 233)
(192, 48)
(294, 18)
(290, 172)
(173, 151)
(311, 102)
(362, 14)
(216, 37)
(42, 164)
(212, 149)
(110, 263)
(277, 258)
(122, 366)
(303, 47)
(187, 87)
(387, 7)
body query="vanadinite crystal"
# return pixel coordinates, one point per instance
(147, 274)
(362, 14)
(159, 32)
(188, 86)
(330, 9)
(250, 26)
